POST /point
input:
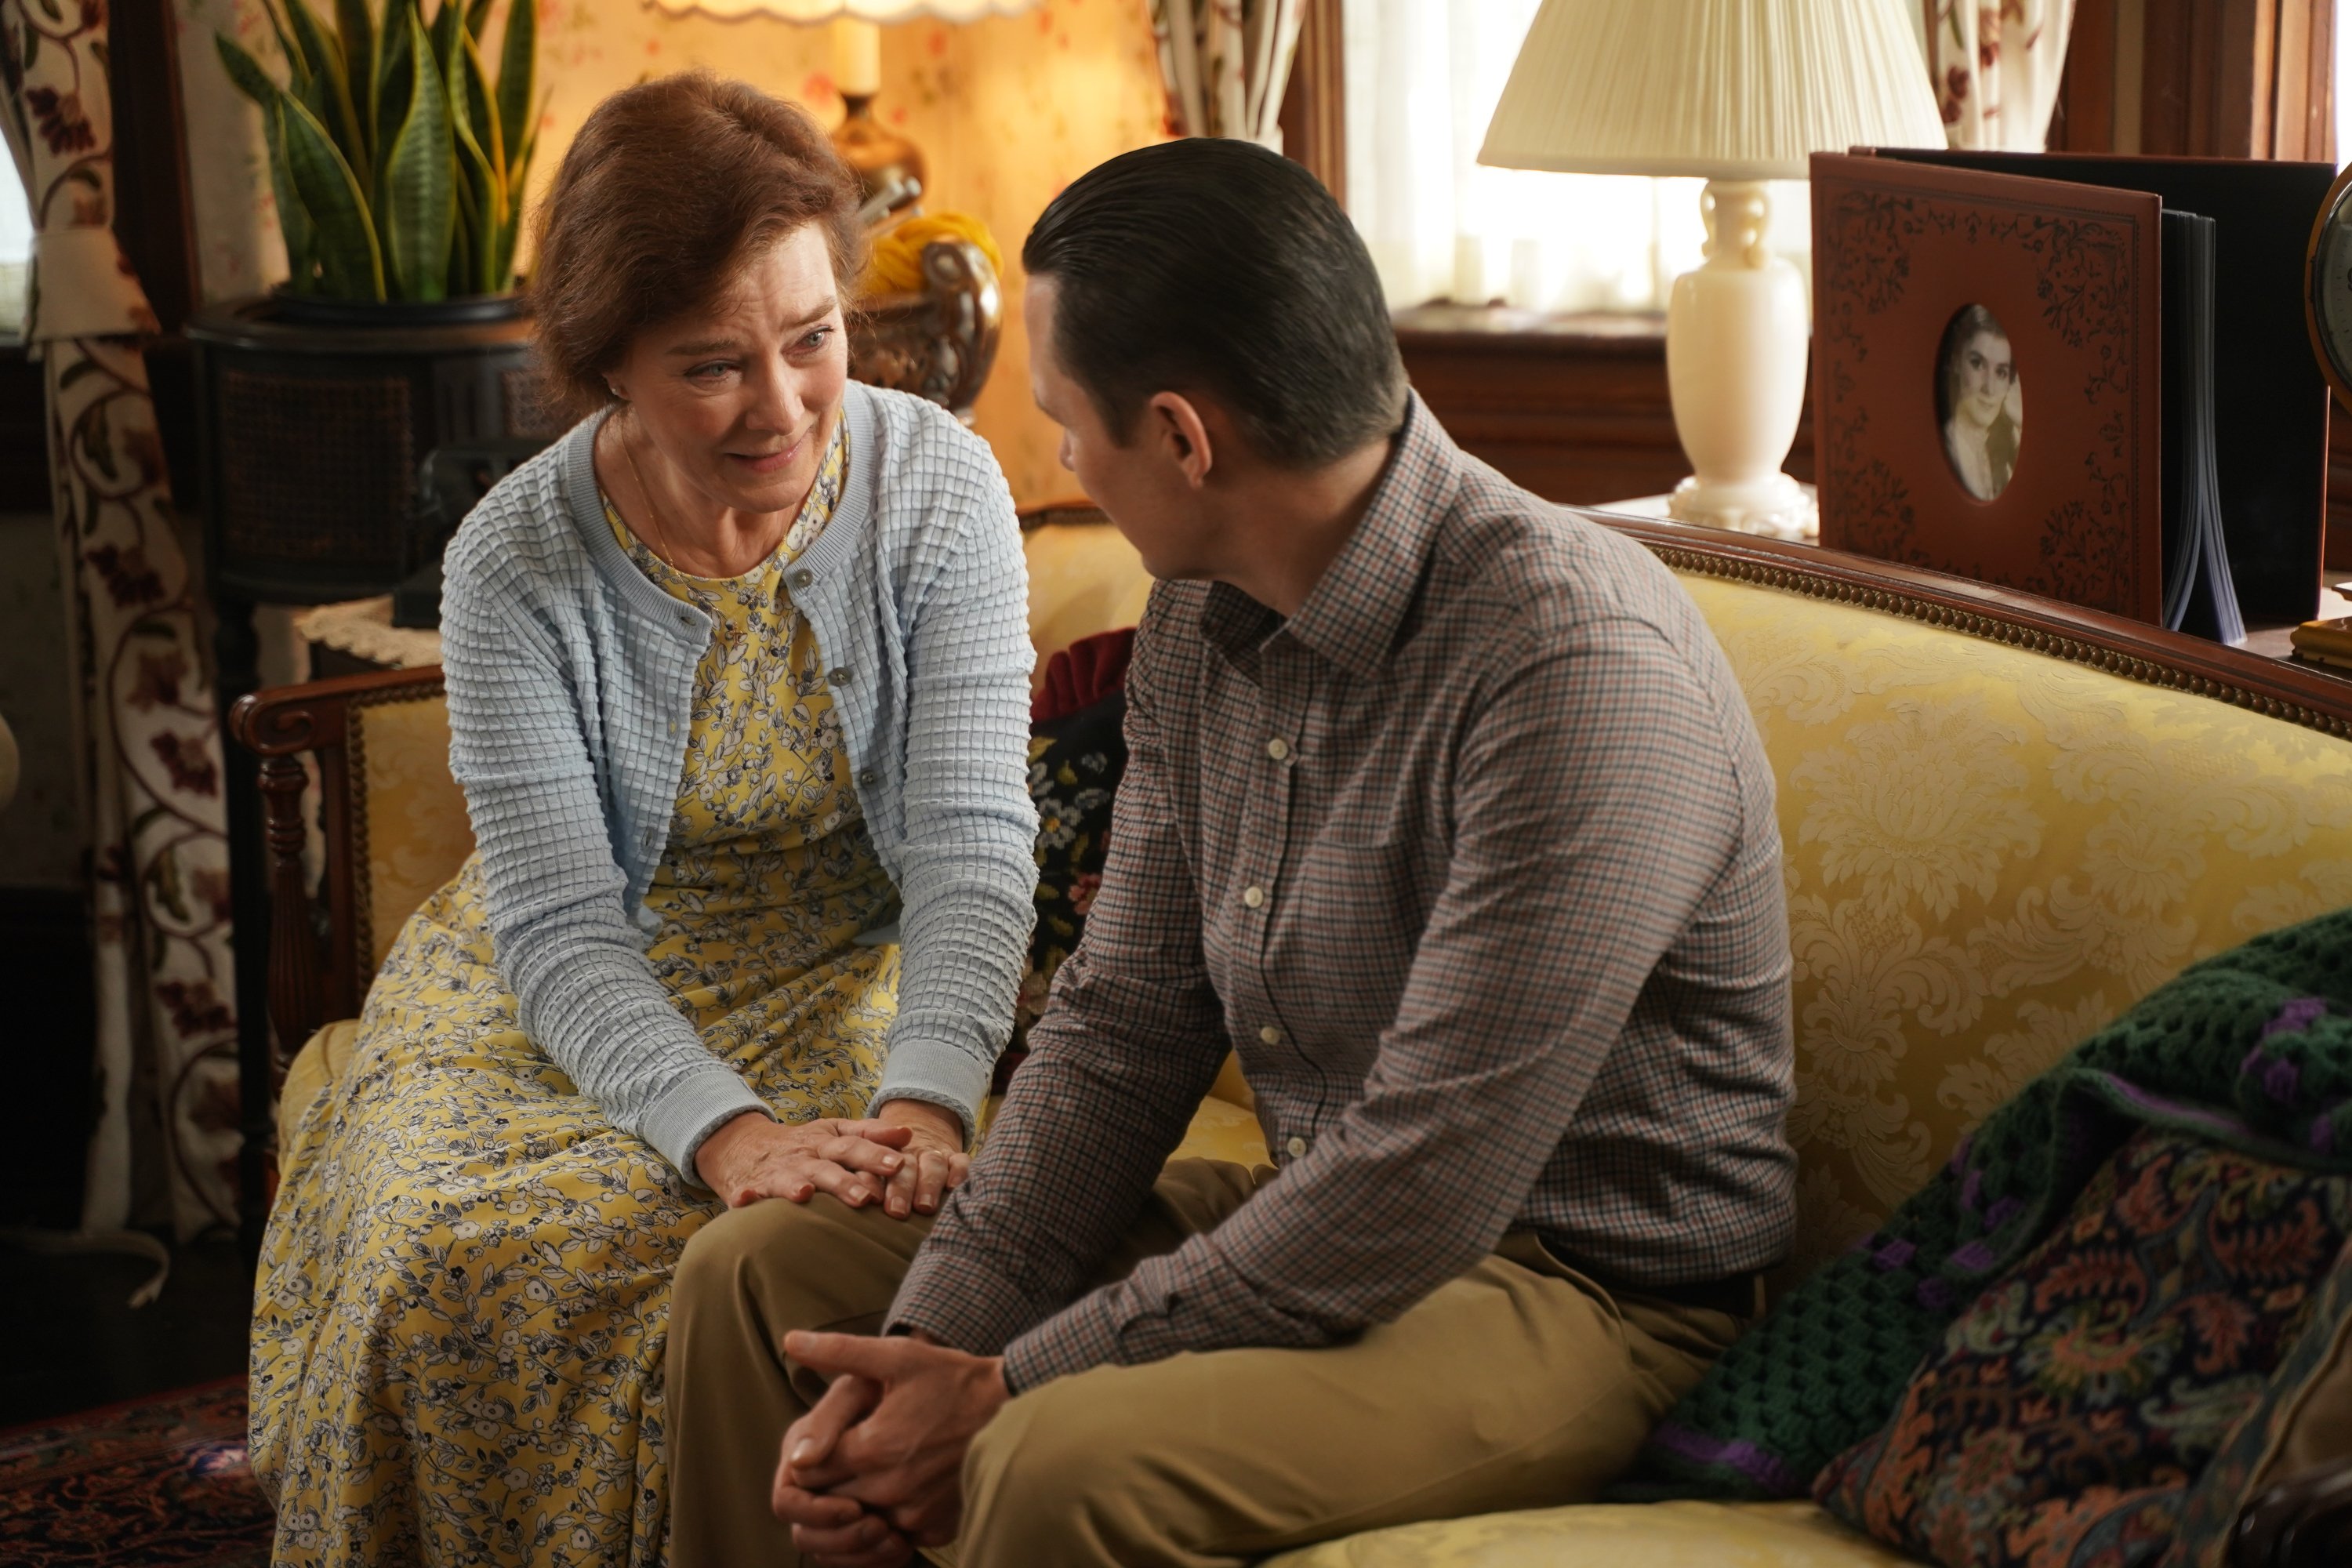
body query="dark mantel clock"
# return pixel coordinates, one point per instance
(2327, 287)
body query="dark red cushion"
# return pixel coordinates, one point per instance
(1082, 675)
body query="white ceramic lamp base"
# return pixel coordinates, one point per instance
(1736, 348)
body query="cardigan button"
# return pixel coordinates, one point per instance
(867, 775)
(804, 577)
(837, 676)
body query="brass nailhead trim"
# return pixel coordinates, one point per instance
(2148, 672)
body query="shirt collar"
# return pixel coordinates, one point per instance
(1356, 611)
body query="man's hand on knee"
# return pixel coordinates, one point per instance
(888, 1437)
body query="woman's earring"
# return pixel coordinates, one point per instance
(618, 396)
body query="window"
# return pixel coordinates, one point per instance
(15, 252)
(1422, 79)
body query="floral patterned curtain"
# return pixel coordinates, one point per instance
(150, 737)
(1996, 64)
(1224, 64)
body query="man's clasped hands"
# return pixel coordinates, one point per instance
(873, 1471)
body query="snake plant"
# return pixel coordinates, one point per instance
(398, 164)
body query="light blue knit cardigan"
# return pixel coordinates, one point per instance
(570, 681)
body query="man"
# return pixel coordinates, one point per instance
(1442, 809)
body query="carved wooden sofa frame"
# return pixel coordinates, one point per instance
(318, 950)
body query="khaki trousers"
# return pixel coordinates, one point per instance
(1519, 1383)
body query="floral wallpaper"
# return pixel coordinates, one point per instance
(1008, 110)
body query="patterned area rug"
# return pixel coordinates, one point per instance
(158, 1480)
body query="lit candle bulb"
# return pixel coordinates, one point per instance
(857, 57)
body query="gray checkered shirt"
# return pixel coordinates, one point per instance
(1474, 862)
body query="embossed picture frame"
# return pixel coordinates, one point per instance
(2072, 273)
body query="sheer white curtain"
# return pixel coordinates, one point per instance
(1423, 79)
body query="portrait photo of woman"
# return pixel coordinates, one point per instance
(1979, 403)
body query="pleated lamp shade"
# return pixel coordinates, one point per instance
(1727, 90)
(883, 11)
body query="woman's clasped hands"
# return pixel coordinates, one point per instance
(906, 1157)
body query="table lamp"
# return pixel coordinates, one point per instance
(882, 157)
(1739, 92)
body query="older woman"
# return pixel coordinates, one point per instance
(738, 684)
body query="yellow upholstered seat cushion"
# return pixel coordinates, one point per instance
(1611, 1535)
(1990, 852)
(1223, 1130)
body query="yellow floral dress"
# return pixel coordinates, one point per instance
(464, 1291)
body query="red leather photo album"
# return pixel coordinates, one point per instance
(1987, 377)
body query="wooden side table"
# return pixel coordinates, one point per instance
(1662, 507)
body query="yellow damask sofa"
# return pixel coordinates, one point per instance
(2005, 821)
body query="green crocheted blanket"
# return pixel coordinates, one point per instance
(2252, 1047)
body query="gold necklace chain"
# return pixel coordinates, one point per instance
(653, 508)
(653, 511)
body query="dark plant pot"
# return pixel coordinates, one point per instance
(311, 310)
(314, 416)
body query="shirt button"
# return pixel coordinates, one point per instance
(1296, 1146)
(804, 577)
(837, 676)
(1270, 1034)
(1254, 897)
(1277, 748)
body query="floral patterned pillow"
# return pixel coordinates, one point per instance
(2072, 1406)
(2303, 1422)
(1075, 764)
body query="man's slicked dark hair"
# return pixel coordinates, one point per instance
(1214, 265)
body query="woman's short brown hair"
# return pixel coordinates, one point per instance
(670, 187)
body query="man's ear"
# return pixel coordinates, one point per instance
(1174, 422)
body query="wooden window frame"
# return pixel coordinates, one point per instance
(2210, 79)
